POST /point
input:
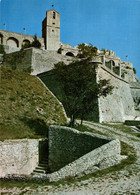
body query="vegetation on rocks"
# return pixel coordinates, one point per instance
(35, 43)
(26, 106)
(2, 51)
(87, 51)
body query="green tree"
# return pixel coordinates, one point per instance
(86, 51)
(26, 45)
(2, 51)
(78, 81)
(134, 70)
(35, 43)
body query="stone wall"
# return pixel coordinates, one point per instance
(88, 152)
(135, 91)
(43, 61)
(67, 145)
(16, 40)
(35, 60)
(18, 156)
(118, 106)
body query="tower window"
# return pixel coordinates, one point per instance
(53, 15)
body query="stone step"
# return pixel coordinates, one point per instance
(44, 160)
(41, 168)
(43, 165)
(39, 171)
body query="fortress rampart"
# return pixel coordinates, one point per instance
(124, 103)
(14, 41)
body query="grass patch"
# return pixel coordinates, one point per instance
(123, 128)
(26, 108)
(84, 128)
(21, 184)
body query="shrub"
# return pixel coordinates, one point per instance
(134, 70)
(2, 51)
(36, 43)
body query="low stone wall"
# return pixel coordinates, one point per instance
(100, 158)
(18, 156)
(67, 145)
(80, 154)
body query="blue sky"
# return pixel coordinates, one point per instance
(109, 24)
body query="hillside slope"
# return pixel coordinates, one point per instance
(26, 106)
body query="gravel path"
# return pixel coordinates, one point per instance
(126, 181)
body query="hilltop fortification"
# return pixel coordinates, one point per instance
(124, 102)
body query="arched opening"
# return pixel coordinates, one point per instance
(1, 39)
(112, 62)
(26, 41)
(12, 42)
(69, 54)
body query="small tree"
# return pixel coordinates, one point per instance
(78, 81)
(86, 51)
(36, 43)
(2, 51)
(134, 70)
(60, 50)
(26, 45)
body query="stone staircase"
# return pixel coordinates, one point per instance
(42, 167)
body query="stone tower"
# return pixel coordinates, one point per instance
(51, 30)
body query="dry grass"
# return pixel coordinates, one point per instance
(26, 106)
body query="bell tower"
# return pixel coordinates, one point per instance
(51, 30)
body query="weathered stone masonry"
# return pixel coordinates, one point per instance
(71, 154)
(18, 156)
(85, 152)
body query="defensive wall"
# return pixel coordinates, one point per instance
(35, 60)
(119, 106)
(14, 41)
(135, 91)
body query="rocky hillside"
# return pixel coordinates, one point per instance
(26, 106)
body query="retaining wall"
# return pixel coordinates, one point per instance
(118, 106)
(18, 156)
(43, 61)
(67, 145)
(34, 61)
(96, 153)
